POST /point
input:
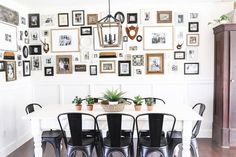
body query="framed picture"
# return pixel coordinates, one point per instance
(2, 66)
(9, 15)
(174, 68)
(63, 20)
(77, 17)
(155, 63)
(92, 19)
(48, 71)
(48, 20)
(138, 71)
(132, 18)
(64, 64)
(25, 51)
(65, 40)
(26, 68)
(107, 66)
(48, 60)
(193, 27)
(138, 60)
(193, 16)
(93, 69)
(192, 39)
(35, 49)
(85, 30)
(180, 19)
(146, 16)
(36, 63)
(179, 55)
(192, 53)
(8, 38)
(125, 38)
(158, 38)
(80, 68)
(164, 16)
(10, 70)
(124, 68)
(191, 68)
(120, 16)
(34, 36)
(34, 20)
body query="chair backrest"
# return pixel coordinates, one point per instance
(155, 124)
(197, 125)
(114, 123)
(97, 99)
(75, 121)
(31, 107)
(129, 100)
(154, 99)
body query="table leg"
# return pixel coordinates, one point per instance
(36, 131)
(186, 138)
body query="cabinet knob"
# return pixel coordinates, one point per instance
(232, 81)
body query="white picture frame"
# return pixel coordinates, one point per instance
(8, 37)
(49, 60)
(192, 54)
(48, 20)
(36, 63)
(34, 36)
(146, 16)
(180, 19)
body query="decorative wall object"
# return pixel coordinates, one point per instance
(85, 30)
(138, 60)
(125, 38)
(192, 39)
(85, 56)
(8, 38)
(9, 55)
(132, 31)
(180, 37)
(158, 38)
(25, 51)
(34, 20)
(137, 71)
(92, 19)
(146, 16)
(26, 68)
(45, 46)
(132, 18)
(65, 40)
(2, 66)
(80, 68)
(164, 16)
(48, 20)
(9, 16)
(124, 68)
(179, 55)
(36, 63)
(23, 21)
(77, 17)
(173, 68)
(34, 36)
(139, 38)
(64, 64)
(63, 20)
(120, 16)
(93, 69)
(10, 70)
(192, 53)
(48, 71)
(193, 27)
(191, 68)
(35, 49)
(155, 63)
(48, 60)
(107, 66)
(193, 16)
(180, 19)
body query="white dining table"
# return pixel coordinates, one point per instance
(183, 113)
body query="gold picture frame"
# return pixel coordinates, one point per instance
(164, 16)
(64, 64)
(107, 66)
(92, 19)
(154, 63)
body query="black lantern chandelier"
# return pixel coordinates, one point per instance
(109, 31)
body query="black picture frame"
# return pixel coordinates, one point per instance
(193, 26)
(34, 20)
(132, 18)
(124, 68)
(26, 68)
(63, 19)
(77, 17)
(179, 55)
(86, 31)
(93, 69)
(25, 51)
(35, 49)
(80, 68)
(191, 68)
(125, 38)
(10, 69)
(139, 38)
(2, 66)
(48, 71)
(120, 16)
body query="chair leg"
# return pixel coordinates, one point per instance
(44, 146)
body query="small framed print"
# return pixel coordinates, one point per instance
(35, 49)
(180, 19)
(2, 66)
(26, 68)
(192, 53)
(48, 20)
(155, 63)
(125, 38)
(25, 51)
(124, 68)
(138, 60)
(93, 69)
(193, 27)
(80, 68)
(34, 20)
(92, 19)
(34, 36)
(179, 55)
(138, 71)
(77, 17)
(63, 20)
(48, 60)
(173, 68)
(193, 16)
(64, 64)
(132, 18)
(164, 16)
(10, 70)
(86, 31)
(191, 68)
(36, 63)
(107, 66)
(48, 71)
(8, 37)
(120, 16)
(192, 39)
(146, 16)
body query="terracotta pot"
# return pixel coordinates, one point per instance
(78, 107)
(150, 108)
(137, 107)
(89, 107)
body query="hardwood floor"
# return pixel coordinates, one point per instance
(206, 149)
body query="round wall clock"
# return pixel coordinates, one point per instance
(25, 51)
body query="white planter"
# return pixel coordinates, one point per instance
(113, 102)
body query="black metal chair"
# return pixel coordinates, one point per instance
(117, 139)
(80, 139)
(153, 140)
(176, 137)
(129, 100)
(53, 137)
(154, 99)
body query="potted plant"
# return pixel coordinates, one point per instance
(221, 20)
(113, 96)
(149, 102)
(77, 101)
(137, 103)
(90, 102)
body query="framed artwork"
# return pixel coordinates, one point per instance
(48, 60)
(173, 68)
(85, 56)
(10, 70)
(34, 36)
(93, 69)
(164, 16)
(45, 33)
(35, 49)
(120, 16)
(25, 51)
(179, 55)
(180, 19)
(77, 17)
(138, 71)
(80, 68)
(132, 18)
(63, 20)
(158, 37)
(124, 68)
(138, 60)
(146, 16)
(92, 19)
(65, 40)
(192, 53)
(107, 66)
(9, 16)
(193, 16)
(34, 20)
(48, 20)
(139, 38)
(48, 71)
(191, 68)
(155, 63)
(64, 64)
(23, 21)
(125, 38)
(36, 63)
(26, 68)
(193, 27)
(133, 48)
(192, 39)
(2, 66)
(8, 38)
(85, 30)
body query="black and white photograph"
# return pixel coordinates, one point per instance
(48, 20)
(158, 38)
(65, 40)
(80, 68)
(125, 38)
(34, 36)
(10, 70)
(193, 16)
(48, 71)
(34, 20)
(138, 71)
(107, 66)
(193, 27)
(2, 66)
(35, 49)
(138, 60)
(77, 17)
(164, 16)
(124, 68)
(64, 64)
(63, 20)
(25, 51)
(132, 18)
(8, 37)
(191, 68)
(23, 21)
(146, 16)
(92, 19)
(174, 68)
(48, 60)
(26, 68)
(93, 69)
(180, 19)
(192, 39)
(192, 53)
(36, 63)
(120, 16)
(9, 16)
(85, 30)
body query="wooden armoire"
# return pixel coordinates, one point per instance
(224, 113)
